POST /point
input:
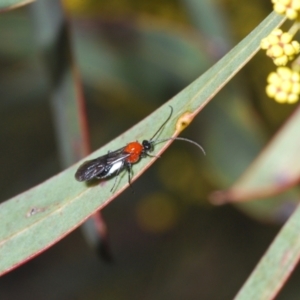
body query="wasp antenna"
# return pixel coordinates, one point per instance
(162, 126)
(181, 139)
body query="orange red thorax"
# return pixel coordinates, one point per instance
(135, 149)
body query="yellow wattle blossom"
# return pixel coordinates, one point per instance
(290, 8)
(280, 47)
(284, 85)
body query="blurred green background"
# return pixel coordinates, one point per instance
(166, 239)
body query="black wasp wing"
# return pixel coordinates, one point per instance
(92, 168)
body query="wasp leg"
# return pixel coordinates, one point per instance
(157, 156)
(128, 167)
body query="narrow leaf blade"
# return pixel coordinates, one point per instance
(34, 220)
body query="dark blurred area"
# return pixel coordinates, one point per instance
(166, 240)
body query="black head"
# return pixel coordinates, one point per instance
(147, 146)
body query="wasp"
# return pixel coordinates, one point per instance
(112, 163)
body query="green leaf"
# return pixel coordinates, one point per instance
(275, 169)
(276, 265)
(12, 4)
(34, 220)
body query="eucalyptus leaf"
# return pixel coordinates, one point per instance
(36, 219)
